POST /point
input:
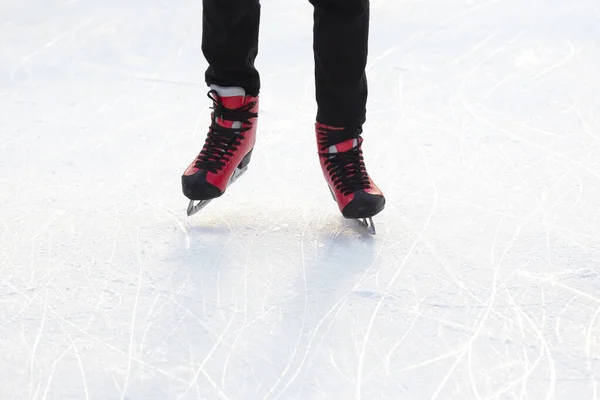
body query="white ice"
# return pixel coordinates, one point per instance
(482, 283)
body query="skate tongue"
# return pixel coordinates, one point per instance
(232, 97)
(344, 146)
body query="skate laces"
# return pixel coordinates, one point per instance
(221, 141)
(347, 168)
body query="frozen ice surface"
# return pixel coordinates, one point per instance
(482, 283)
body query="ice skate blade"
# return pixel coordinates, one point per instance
(368, 223)
(194, 208)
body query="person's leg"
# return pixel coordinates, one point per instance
(230, 43)
(341, 32)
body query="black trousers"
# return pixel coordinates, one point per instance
(340, 43)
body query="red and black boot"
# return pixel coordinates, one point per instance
(227, 149)
(344, 169)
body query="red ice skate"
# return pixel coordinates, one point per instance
(344, 169)
(227, 149)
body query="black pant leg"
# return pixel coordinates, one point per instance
(341, 34)
(230, 42)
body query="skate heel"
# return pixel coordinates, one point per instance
(246, 160)
(241, 168)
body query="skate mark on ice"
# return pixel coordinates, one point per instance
(238, 333)
(588, 350)
(388, 358)
(48, 45)
(116, 350)
(482, 319)
(533, 144)
(360, 282)
(36, 342)
(330, 315)
(79, 362)
(560, 63)
(152, 313)
(133, 315)
(501, 82)
(260, 316)
(496, 283)
(593, 116)
(164, 210)
(549, 69)
(359, 377)
(559, 318)
(585, 125)
(471, 109)
(200, 369)
(380, 57)
(197, 319)
(544, 346)
(460, 352)
(141, 362)
(474, 49)
(300, 331)
(552, 281)
(52, 371)
(335, 366)
(484, 60)
(544, 351)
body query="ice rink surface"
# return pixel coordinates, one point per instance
(483, 280)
